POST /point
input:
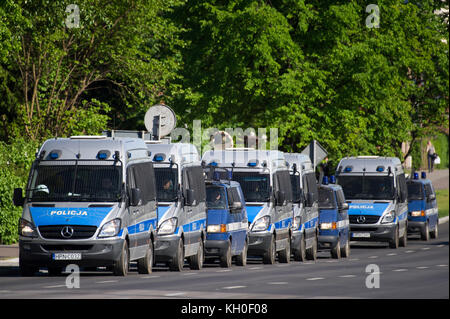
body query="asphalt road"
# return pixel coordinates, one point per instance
(419, 270)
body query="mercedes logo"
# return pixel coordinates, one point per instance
(67, 232)
(361, 219)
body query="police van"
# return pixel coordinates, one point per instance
(227, 222)
(181, 195)
(90, 201)
(375, 188)
(305, 206)
(334, 232)
(265, 182)
(423, 215)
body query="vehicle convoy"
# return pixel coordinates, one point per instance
(265, 182)
(90, 201)
(181, 194)
(227, 222)
(423, 215)
(305, 205)
(334, 232)
(375, 188)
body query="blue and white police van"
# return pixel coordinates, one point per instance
(334, 229)
(423, 215)
(305, 205)
(227, 222)
(181, 194)
(90, 201)
(265, 182)
(375, 188)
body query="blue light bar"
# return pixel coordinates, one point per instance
(348, 169)
(252, 164)
(416, 175)
(158, 158)
(54, 155)
(424, 175)
(380, 168)
(332, 179)
(325, 180)
(102, 156)
(213, 164)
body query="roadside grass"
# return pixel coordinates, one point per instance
(442, 196)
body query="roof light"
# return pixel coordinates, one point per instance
(348, 168)
(252, 163)
(54, 155)
(423, 175)
(416, 175)
(158, 158)
(325, 180)
(332, 179)
(213, 164)
(380, 168)
(102, 156)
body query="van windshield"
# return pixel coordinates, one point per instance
(255, 186)
(367, 187)
(415, 190)
(67, 183)
(166, 184)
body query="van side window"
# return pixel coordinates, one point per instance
(312, 185)
(296, 190)
(283, 183)
(144, 179)
(196, 181)
(340, 197)
(401, 186)
(428, 190)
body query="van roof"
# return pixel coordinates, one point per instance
(177, 152)
(302, 161)
(242, 158)
(369, 164)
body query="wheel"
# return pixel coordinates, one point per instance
(285, 255)
(26, 270)
(177, 263)
(345, 251)
(300, 254)
(241, 259)
(311, 253)
(404, 240)
(145, 264)
(122, 265)
(196, 261)
(394, 242)
(425, 232)
(336, 250)
(269, 256)
(225, 260)
(435, 232)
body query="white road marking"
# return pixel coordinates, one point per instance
(106, 281)
(315, 278)
(425, 248)
(422, 267)
(440, 246)
(373, 257)
(409, 251)
(190, 274)
(442, 265)
(392, 254)
(256, 268)
(278, 283)
(174, 294)
(234, 287)
(56, 286)
(401, 269)
(347, 276)
(224, 270)
(149, 277)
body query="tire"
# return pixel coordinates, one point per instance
(345, 251)
(225, 260)
(284, 256)
(435, 232)
(270, 255)
(336, 250)
(241, 259)
(300, 254)
(196, 261)
(394, 242)
(404, 240)
(122, 265)
(145, 265)
(425, 233)
(27, 270)
(311, 253)
(177, 263)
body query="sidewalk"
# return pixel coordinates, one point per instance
(9, 253)
(439, 178)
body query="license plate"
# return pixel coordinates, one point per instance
(67, 256)
(361, 235)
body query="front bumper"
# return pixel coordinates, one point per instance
(216, 248)
(372, 232)
(166, 247)
(94, 253)
(259, 243)
(415, 226)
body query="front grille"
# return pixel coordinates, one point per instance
(79, 232)
(67, 247)
(363, 229)
(369, 219)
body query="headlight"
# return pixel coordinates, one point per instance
(222, 228)
(417, 213)
(27, 228)
(296, 222)
(110, 229)
(261, 224)
(167, 226)
(328, 225)
(388, 218)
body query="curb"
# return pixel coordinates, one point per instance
(12, 262)
(443, 220)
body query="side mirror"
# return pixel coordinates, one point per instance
(280, 198)
(18, 198)
(344, 206)
(309, 199)
(190, 198)
(236, 206)
(431, 197)
(135, 197)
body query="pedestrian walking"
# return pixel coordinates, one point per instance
(431, 156)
